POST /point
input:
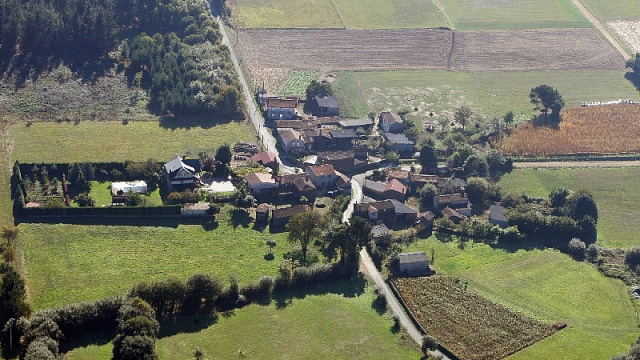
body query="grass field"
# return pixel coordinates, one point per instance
(332, 322)
(613, 9)
(388, 14)
(70, 263)
(113, 141)
(615, 191)
(489, 94)
(549, 286)
(297, 83)
(347, 90)
(537, 14)
(284, 14)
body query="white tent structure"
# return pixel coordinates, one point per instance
(137, 186)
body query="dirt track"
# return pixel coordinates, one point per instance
(513, 50)
(574, 164)
(601, 28)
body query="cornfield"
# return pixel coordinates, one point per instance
(610, 129)
(465, 323)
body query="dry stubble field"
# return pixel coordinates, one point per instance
(370, 50)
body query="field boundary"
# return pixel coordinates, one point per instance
(601, 28)
(335, 8)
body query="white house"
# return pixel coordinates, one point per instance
(281, 109)
(291, 139)
(391, 123)
(322, 176)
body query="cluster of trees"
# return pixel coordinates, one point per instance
(318, 88)
(75, 31)
(137, 332)
(18, 190)
(564, 216)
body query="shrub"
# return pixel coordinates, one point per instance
(592, 252)
(84, 199)
(632, 257)
(510, 234)
(202, 290)
(8, 253)
(577, 248)
(43, 348)
(213, 209)
(429, 343)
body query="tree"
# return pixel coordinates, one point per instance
(443, 121)
(585, 205)
(477, 188)
(429, 343)
(634, 63)
(428, 158)
(475, 165)
(508, 118)
(360, 230)
(546, 98)
(577, 248)
(558, 197)
(13, 295)
(223, 154)
(463, 115)
(632, 257)
(304, 227)
(271, 244)
(10, 233)
(318, 88)
(427, 193)
(133, 199)
(83, 199)
(202, 290)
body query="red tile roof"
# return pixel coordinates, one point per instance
(320, 170)
(264, 157)
(259, 178)
(281, 103)
(395, 185)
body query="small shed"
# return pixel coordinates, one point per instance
(414, 263)
(262, 212)
(496, 216)
(380, 233)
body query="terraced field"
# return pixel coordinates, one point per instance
(367, 50)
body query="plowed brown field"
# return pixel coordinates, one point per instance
(513, 50)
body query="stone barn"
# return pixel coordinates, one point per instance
(414, 263)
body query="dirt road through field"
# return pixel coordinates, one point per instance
(574, 164)
(602, 29)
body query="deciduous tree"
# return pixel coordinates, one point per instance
(303, 228)
(546, 98)
(463, 115)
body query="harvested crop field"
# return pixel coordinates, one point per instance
(517, 50)
(628, 32)
(466, 323)
(609, 129)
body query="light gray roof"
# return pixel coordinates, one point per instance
(343, 134)
(327, 101)
(176, 164)
(376, 186)
(413, 257)
(398, 139)
(496, 212)
(380, 230)
(356, 122)
(402, 208)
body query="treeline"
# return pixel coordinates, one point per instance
(171, 49)
(132, 319)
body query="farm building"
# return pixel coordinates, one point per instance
(265, 158)
(296, 185)
(496, 216)
(400, 143)
(291, 139)
(322, 176)
(262, 212)
(380, 233)
(181, 174)
(391, 123)
(345, 161)
(123, 187)
(325, 106)
(280, 217)
(281, 109)
(398, 174)
(454, 215)
(425, 221)
(260, 183)
(455, 201)
(414, 263)
(389, 212)
(365, 124)
(392, 189)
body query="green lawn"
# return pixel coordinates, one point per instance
(351, 99)
(323, 325)
(531, 14)
(615, 191)
(390, 14)
(549, 286)
(285, 14)
(113, 141)
(606, 10)
(489, 94)
(101, 193)
(70, 263)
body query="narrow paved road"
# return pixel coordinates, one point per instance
(356, 196)
(602, 29)
(393, 303)
(575, 164)
(255, 116)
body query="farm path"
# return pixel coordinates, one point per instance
(601, 28)
(264, 133)
(394, 305)
(575, 164)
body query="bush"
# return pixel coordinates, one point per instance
(632, 257)
(592, 252)
(213, 209)
(577, 248)
(429, 343)
(84, 199)
(510, 234)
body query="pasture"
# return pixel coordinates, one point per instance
(548, 286)
(489, 94)
(546, 49)
(388, 14)
(67, 263)
(607, 129)
(464, 322)
(614, 189)
(329, 321)
(606, 10)
(111, 140)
